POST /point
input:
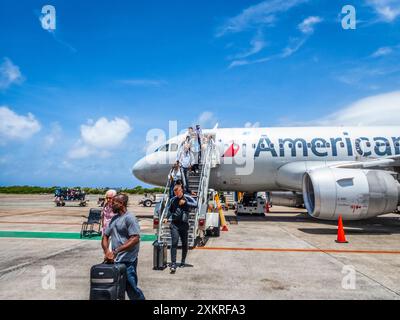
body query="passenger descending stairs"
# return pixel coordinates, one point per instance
(194, 181)
(198, 183)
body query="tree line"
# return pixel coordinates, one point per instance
(51, 190)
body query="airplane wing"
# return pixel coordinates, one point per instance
(389, 161)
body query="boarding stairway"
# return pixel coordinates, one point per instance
(198, 183)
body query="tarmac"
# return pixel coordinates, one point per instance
(284, 255)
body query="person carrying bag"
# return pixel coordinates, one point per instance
(178, 215)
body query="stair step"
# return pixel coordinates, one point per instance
(193, 183)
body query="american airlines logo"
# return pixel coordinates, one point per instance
(320, 147)
(231, 151)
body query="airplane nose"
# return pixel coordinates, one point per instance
(149, 171)
(139, 169)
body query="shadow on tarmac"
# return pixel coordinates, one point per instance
(383, 225)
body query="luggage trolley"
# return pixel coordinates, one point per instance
(61, 195)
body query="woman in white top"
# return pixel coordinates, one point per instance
(186, 162)
(107, 212)
(174, 176)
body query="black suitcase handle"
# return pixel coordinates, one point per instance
(108, 262)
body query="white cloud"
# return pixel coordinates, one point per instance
(362, 76)
(9, 74)
(387, 10)
(295, 45)
(374, 110)
(53, 33)
(384, 51)
(207, 120)
(14, 126)
(256, 45)
(99, 137)
(142, 82)
(263, 13)
(260, 16)
(239, 63)
(104, 133)
(80, 150)
(54, 135)
(252, 125)
(307, 26)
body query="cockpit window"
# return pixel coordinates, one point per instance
(168, 147)
(163, 148)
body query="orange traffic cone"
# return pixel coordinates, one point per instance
(224, 228)
(341, 238)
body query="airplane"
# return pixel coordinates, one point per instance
(347, 171)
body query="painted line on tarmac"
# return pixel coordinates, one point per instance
(299, 250)
(42, 222)
(59, 235)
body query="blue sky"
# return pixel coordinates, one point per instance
(76, 103)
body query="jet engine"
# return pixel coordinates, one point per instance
(352, 193)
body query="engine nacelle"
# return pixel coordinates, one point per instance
(286, 199)
(352, 193)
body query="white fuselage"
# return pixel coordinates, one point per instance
(267, 159)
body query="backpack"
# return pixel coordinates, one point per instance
(180, 215)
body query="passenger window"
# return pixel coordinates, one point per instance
(244, 150)
(173, 147)
(164, 148)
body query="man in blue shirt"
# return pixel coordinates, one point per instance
(124, 231)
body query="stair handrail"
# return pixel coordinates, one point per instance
(202, 192)
(166, 196)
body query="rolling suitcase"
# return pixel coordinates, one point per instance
(159, 255)
(108, 281)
